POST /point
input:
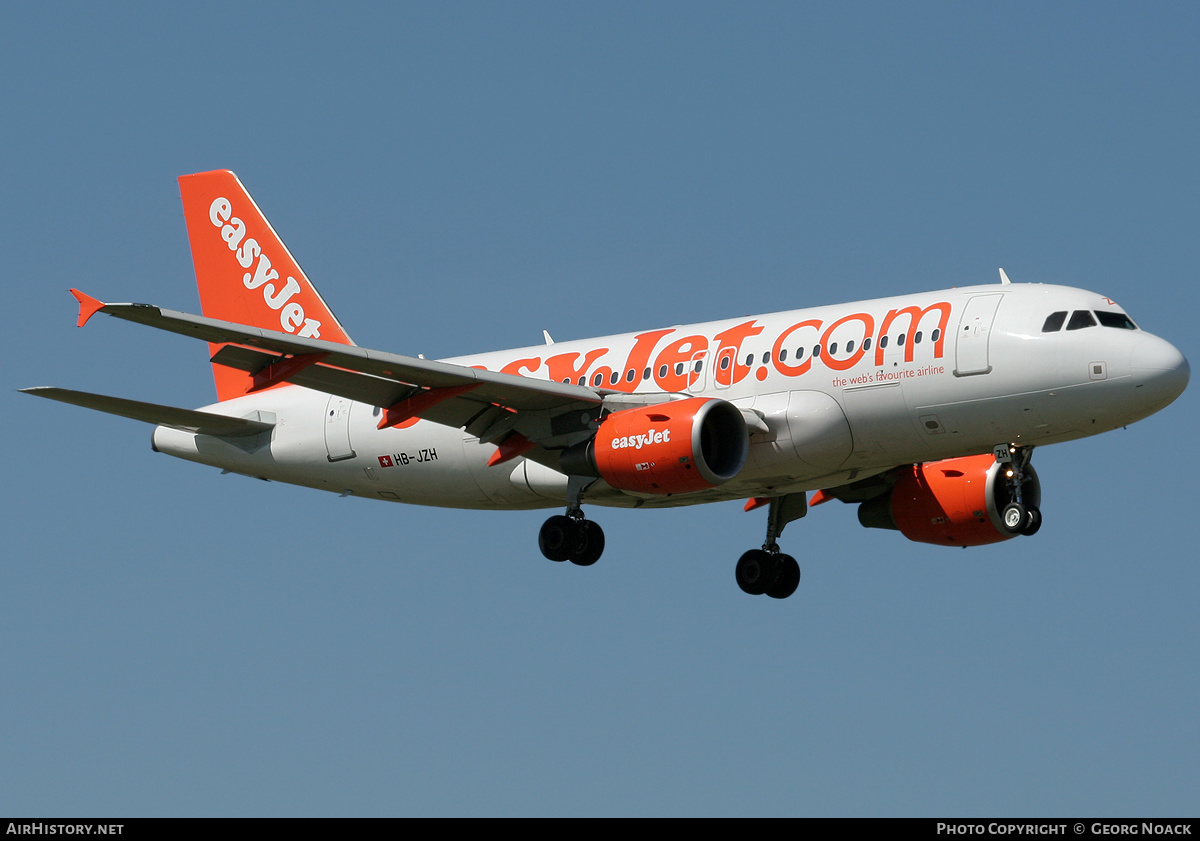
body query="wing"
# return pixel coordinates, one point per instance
(203, 423)
(519, 414)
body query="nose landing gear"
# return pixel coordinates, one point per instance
(1021, 515)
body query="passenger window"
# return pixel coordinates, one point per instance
(662, 371)
(1054, 322)
(934, 336)
(883, 341)
(867, 343)
(724, 363)
(900, 340)
(614, 378)
(833, 347)
(850, 346)
(799, 353)
(783, 356)
(1115, 319)
(917, 338)
(817, 350)
(599, 378)
(1081, 319)
(629, 375)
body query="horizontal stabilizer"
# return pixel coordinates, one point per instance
(187, 420)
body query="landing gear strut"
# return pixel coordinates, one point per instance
(571, 537)
(1020, 515)
(768, 570)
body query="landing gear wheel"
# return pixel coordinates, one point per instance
(788, 579)
(1014, 517)
(1033, 521)
(756, 572)
(590, 545)
(559, 538)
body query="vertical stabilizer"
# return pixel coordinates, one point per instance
(244, 271)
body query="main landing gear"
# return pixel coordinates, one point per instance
(571, 537)
(1021, 515)
(767, 570)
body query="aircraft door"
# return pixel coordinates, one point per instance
(697, 376)
(337, 428)
(723, 366)
(974, 332)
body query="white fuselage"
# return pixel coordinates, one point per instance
(834, 394)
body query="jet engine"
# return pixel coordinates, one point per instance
(667, 448)
(957, 502)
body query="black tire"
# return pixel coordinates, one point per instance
(756, 571)
(788, 580)
(558, 538)
(1033, 521)
(1014, 518)
(590, 546)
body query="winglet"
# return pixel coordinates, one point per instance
(88, 306)
(1004, 278)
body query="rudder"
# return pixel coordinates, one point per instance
(245, 273)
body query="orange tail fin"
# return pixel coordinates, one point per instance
(245, 272)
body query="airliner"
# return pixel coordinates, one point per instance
(923, 410)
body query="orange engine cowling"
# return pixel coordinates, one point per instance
(956, 502)
(676, 447)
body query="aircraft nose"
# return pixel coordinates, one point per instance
(1160, 371)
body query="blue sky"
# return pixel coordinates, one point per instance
(458, 177)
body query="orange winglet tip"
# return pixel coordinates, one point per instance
(820, 497)
(88, 306)
(757, 502)
(514, 445)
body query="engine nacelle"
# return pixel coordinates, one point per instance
(956, 502)
(676, 447)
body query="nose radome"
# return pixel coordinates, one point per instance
(1160, 371)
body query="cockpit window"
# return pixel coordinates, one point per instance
(1054, 322)
(1108, 318)
(1081, 319)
